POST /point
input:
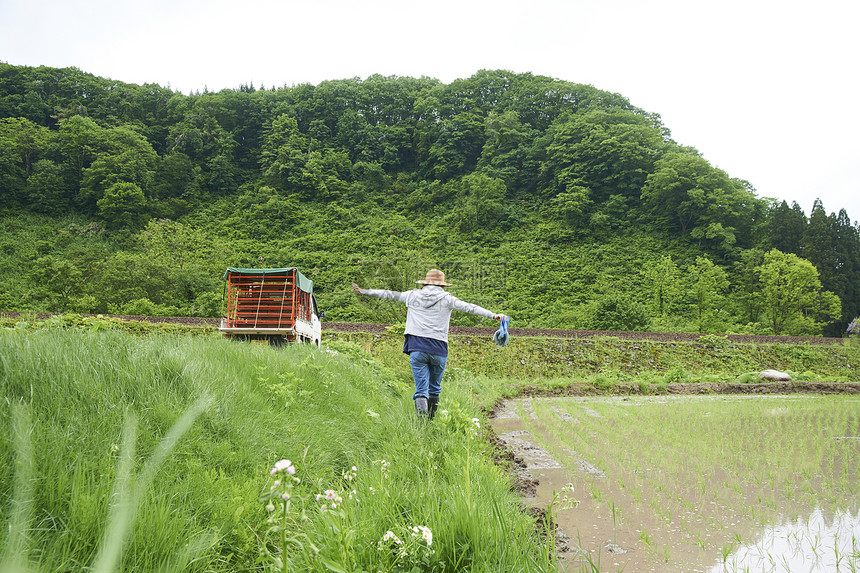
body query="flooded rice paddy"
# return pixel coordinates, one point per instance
(696, 483)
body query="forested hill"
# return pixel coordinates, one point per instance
(556, 203)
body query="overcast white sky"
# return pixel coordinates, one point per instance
(765, 89)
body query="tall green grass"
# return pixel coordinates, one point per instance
(127, 453)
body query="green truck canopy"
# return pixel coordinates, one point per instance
(303, 282)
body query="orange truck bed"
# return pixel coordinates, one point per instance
(268, 302)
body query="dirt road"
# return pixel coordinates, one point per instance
(488, 331)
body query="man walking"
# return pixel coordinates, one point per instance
(428, 317)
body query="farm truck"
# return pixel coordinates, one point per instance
(273, 305)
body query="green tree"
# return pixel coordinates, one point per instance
(46, 188)
(192, 261)
(481, 201)
(56, 282)
(747, 284)
(793, 298)
(197, 132)
(123, 206)
(176, 176)
(125, 157)
(685, 192)
(709, 284)
(372, 177)
(785, 227)
(293, 163)
(505, 154)
(846, 283)
(456, 147)
(21, 142)
(129, 276)
(608, 152)
(79, 140)
(24, 140)
(572, 204)
(819, 242)
(665, 280)
(264, 214)
(329, 173)
(284, 150)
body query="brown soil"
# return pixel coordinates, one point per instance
(186, 320)
(514, 466)
(488, 331)
(624, 389)
(524, 484)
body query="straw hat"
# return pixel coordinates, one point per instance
(434, 277)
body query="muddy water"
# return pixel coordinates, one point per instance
(709, 484)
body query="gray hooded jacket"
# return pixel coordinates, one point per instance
(429, 309)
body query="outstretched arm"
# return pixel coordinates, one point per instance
(464, 306)
(387, 294)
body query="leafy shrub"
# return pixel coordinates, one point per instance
(748, 378)
(713, 341)
(676, 375)
(618, 312)
(602, 383)
(207, 304)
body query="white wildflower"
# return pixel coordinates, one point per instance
(425, 534)
(283, 465)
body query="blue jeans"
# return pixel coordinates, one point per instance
(427, 369)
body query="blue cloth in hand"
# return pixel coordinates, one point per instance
(501, 336)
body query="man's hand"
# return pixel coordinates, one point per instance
(356, 288)
(499, 317)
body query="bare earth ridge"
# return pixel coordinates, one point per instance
(488, 331)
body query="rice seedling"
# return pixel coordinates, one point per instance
(647, 540)
(719, 468)
(726, 550)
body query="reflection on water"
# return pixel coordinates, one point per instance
(810, 545)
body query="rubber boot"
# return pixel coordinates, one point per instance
(432, 405)
(421, 406)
